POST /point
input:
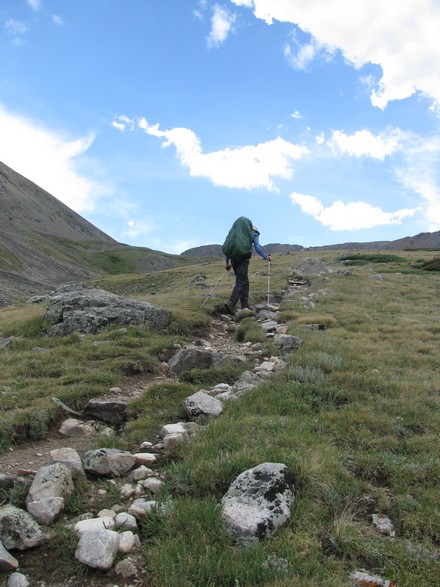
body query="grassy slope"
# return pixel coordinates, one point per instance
(356, 416)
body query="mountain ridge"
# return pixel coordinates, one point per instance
(43, 243)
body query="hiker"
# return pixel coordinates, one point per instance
(238, 250)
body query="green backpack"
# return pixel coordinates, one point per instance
(238, 243)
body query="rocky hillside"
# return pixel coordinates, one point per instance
(43, 243)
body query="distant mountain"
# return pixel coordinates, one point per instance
(424, 240)
(43, 243)
(216, 250)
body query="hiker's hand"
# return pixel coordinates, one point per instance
(269, 258)
(228, 267)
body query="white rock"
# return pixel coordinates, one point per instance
(145, 458)
(106, 513)
(69, 457)
(140, 473)
(173, 429)
(98, 549)
(153, 484)
(127, 542)
(384, 524)
(18, 580)
(94, 525)
(127, 490)
(202, 404)
(170, 441)
(146, 445)
(126, 521)
(46, 510)
(140, 508)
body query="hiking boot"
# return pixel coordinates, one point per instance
(229, 308)
(247, 306)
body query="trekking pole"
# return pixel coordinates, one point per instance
(268, 283)
(214, 288)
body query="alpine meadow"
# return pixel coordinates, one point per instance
(354, 416)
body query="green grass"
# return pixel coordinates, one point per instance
(355, 416)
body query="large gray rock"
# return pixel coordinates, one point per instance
(311, 266)
(202, 404)
(191, 358)
(91, 310)
(113, 411)
(257, 503)
(70, 458)
(98, 549)
(108, 462)
(7, 561)
(287, 342)
(51, 481)
(19, 530)
(46, 510)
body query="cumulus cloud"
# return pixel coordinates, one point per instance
(222, 23)
(352, 216)
(420, 174)
(247, 167)
(400, 37)
(300, 55)
(363, 143)
(48, 159)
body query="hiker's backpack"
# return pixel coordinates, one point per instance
(238, 243)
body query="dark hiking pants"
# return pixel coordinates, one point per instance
(241, 288)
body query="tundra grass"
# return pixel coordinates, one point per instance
(355, 416)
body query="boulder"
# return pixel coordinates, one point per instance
(91, 310)
(7, 561)
(51, 481)
(113, 411)
(108, 462)
(202, 404)
(98, 549)
(191, 358)
(70, 458)
(311, 266)
(19, 530)
(46, 510)
(257, 503)
(287, 342)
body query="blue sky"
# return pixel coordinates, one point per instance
(162, 121)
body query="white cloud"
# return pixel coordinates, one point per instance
(137, 228)
(58, 20)
(297, 115)
(16, 27)
(222, 23)
(34, 4)
(47, 159)
(123, 123)
(351, 216)
(401, 37)
(420, 174)
(363, 143)
(245, 167)
(300, 55)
